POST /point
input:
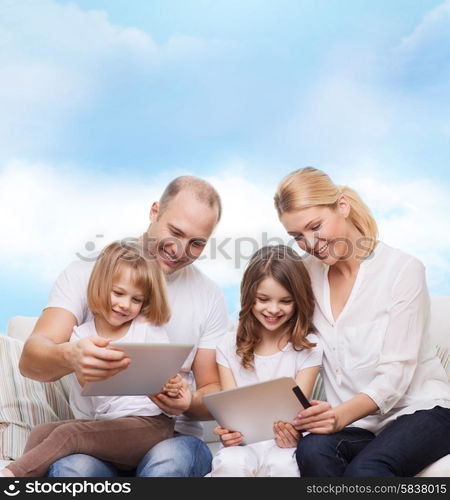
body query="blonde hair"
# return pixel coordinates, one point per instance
(310, 187)
(146, 275)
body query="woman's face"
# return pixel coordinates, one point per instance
(321, 231)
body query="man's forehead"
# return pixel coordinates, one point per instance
(187, 202)
(190, 216)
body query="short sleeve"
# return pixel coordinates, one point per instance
(226, 350)
(310, 357)
(70, 290)
(217, 322)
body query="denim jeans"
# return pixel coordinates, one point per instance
(180, 456)
(403, 448)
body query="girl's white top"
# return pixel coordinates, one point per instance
(284, 363)
(380, 345)
(107, 407)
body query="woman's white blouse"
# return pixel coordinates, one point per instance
(380, 345)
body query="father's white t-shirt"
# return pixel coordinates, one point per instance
(198, 312)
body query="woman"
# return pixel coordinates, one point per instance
(388, 408)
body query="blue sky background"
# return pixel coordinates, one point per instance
(103, 102)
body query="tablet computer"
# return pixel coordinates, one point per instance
(150, 368)
(253, 409)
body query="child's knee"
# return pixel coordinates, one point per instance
(64, 433)
(43, 430)
(231, 461)
(281, 462)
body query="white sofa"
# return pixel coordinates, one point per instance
(41, 402)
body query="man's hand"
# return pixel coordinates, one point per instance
(91, 361)
(320, 418)
(286, 436)
(174, 405)
(227, 437)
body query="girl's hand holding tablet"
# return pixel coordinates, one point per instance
(175, 397)
(175, 386)
(227, 437)
(285, 435)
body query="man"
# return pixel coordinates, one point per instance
(180, 225)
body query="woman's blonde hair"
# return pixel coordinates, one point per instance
(145, 274)
(310, 187)
(285, 266)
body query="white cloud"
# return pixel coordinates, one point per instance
(57, 60)
(339, 113)
(85, 40)
(413, 216)
(423, 55)
(50, 214)
(430, 32)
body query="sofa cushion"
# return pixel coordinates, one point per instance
(440, 468)
(318, 392)
(25, 403)
(20, 327)
(439, 324)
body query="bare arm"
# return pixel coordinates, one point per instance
(206, 376)
(306, 379)
(227, 437)
(48, 355)
(226, 378)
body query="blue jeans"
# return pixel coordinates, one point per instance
(403, 448)
(180, 456)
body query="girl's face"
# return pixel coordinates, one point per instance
(274, 305)
(321, 231)
(126, 299)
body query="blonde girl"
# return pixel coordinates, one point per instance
(127, 296)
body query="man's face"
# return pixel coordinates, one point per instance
(179, 235)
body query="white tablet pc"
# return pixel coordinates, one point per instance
(253, 409)
(151, 366)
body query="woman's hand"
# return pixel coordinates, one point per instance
(227, 437)
(320, 418)
(286, 436)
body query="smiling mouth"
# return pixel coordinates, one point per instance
(322, 250)
(166, 257)
(272, 319)
(121, 314)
